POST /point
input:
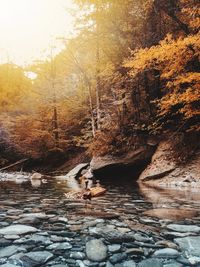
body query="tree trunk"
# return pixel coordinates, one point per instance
(98, 101)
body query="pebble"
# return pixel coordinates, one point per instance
(150, 263)
(166, 253)
(119, 257)
(77, 255)
(114, 248)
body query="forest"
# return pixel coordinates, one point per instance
(131, 70)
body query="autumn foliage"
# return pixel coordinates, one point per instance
(130, 71)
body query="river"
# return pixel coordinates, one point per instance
(146, 225)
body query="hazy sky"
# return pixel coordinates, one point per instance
(28, 28)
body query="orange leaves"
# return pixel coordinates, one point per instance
(178, 63)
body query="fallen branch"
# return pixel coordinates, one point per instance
(14, 164)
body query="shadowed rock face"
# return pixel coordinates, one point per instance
(162, 163)
(133, 159)
(164, 171)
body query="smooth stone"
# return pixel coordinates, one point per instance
(11, 237)
(183, 260)
(173, 265)
(60, 265)
(17, 229)
(190, 244)
(60, 246)
(194, 260)
(4, 224)
(8, 265)
(5, 242)
(175, 234)
(166, 253)
(119, 257)
(34, 215)
(28, 220)
(114, 248)
(123, 230)
(77, 255)
(117, 237)
(109, 264)
(118, 265)
(39, 257)
(135, 251)
(166, 243)
(142, 238)
(129, 264)
(9, 251)
(150, 263)
(184, 228)
(96, 250)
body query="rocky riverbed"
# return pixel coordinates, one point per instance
(127, 227)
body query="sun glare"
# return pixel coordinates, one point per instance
(28, 27)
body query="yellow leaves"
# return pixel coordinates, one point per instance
(170, 56)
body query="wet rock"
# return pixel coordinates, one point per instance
(8, 265)
(142, 238)
(38, 215)
(183, 260)
(150, 263)
(4, 242)
(114, 248)
(96, 250)
(17, 229)
(166, 253)
(129, 264)
(190, 244)
(76, 171)
(57, 239)
(117, 237)
(60, 265)
(28, 220)
(11, 237)
(123, 230)
(194, 260)
(77, 255)
(119, 257)
(176, 264)
(3, 224)
(36, 258)
(9, 251)
(135, 251)
(166, 243)
(60, 246)
(171, 235)
(33, 240)
(109, 264)
(184, 228)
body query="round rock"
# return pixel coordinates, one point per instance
(96, 250)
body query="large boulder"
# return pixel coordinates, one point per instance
(75, 172)
(162, 163)
(164, 170)
(134, 158)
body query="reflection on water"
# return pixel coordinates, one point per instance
(123, 196)
(170, 195)
(172, 203)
